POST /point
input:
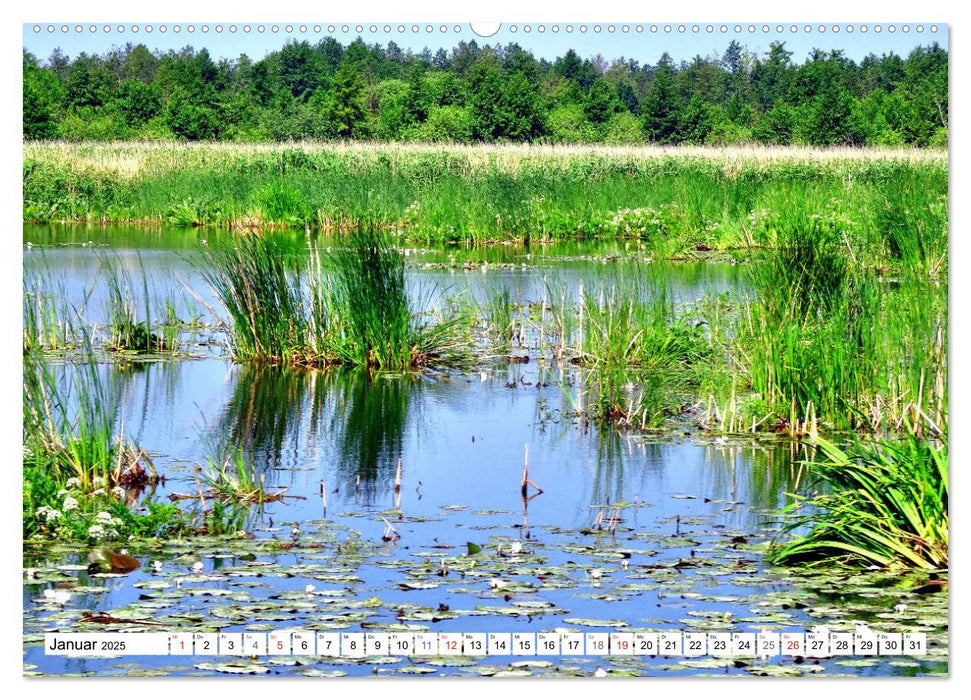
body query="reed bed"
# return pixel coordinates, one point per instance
(679, 200)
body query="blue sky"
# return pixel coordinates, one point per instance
(645, 46)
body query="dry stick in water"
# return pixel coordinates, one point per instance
(526, 482)
(323, 495)
(389, 532)
(202, 496)
(397, 488)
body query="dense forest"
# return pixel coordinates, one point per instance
(488, 93)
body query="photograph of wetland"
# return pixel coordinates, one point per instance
(397, 331)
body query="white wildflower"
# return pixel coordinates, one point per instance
(197, 567)
(96, 532)
(99, 483)
(119, 492)
(70, 503)
(310, 588)
(73, 483)
(48, 513)
(517, 547)
(600, 673)
(104, 517)
(156, 566)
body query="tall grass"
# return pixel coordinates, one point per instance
(639, 348)
(260, 283)
(69, 427)
(126, 331)
(285, 309)
(676, 200)
(825, 345)
(50, 323)
(883, 504)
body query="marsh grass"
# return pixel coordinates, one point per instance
(285, 309)
(824, 345)
(79, 470)
(69, 427)
(676, 200)
(231, 480)
(50, 323)
(260, 284)
(125, 331)
(882, 504)
(640, 351)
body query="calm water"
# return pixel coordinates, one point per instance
(693, 513)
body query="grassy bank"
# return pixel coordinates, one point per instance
(892, 203)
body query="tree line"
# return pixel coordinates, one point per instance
(488, 93)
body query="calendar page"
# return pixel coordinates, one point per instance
(438, 349)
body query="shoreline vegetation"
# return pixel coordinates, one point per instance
(680, 201)
(844, 334)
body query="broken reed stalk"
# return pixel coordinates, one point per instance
(598, 522)
(323, 495)
(614, 520)
(526, 482)
(390, 534)
(202, 495)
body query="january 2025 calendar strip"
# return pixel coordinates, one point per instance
(815, 644)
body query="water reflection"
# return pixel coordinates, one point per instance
(300, 419)
(368, 423)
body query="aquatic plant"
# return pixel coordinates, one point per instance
(260, 285)
(640, 350)
(126, 331)
(883, 503)
(230, 479)
(75, 467)
(823, 343)
(287, 310)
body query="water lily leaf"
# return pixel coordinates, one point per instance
(417, 585)
(473, 548)
(238, 667)
(416, 670)
(103, 560)
(448, 661)
(588, 622)
(318, 673)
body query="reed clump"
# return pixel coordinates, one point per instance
(883, 503)
(823, 344)
(79, 471)
(285, 308)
